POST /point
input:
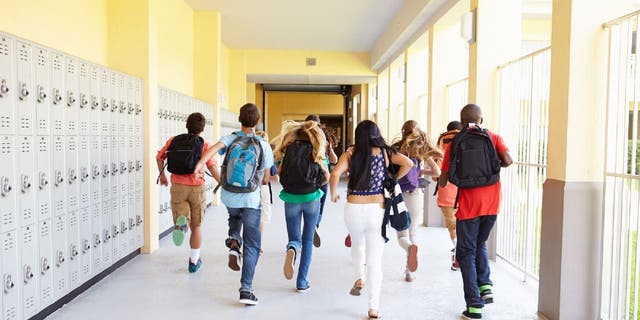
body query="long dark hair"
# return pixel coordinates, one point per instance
(367, 137)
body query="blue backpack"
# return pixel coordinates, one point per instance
(242, 170)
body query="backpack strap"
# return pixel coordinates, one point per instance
(161, 172)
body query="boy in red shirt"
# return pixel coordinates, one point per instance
(187, 194)
(476, 215)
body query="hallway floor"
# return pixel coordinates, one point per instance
(158, 286)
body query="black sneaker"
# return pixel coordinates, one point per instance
(487, 296)
(235, 257)
(303, 290)
(248, 298)
(472, 313)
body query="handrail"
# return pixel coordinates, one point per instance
(531, 54)
(457, 82)
(620, 19)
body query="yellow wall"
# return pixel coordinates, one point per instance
(175, 45)
(536, 30)
(237, 81)
(293, 62)
(225, 63)
(76, 27)
(298, 105)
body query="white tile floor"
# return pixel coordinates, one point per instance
(158, 286)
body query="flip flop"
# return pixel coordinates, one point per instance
(179, 231)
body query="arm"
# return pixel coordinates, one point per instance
(505, 159)
(163, 176)
(208, 155)
(403, 161)
(433, 171)
(214, 172)
(333, 158)
(334, 178)
(444, 179)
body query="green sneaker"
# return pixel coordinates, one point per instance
(179, 231)
(486, 294)
(472, 313)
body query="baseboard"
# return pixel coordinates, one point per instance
(82, 288)
(165, 233)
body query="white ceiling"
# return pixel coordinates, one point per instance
(327, 25)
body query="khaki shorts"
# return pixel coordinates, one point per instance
(450, 220)
(188, 201)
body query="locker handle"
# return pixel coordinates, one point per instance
(132, 224)
(131, 108)
(70, 99)
(123, 107)
(56, 96)
(123, 168)
(42, 95)
(96, 241)
(105, 104)
(4, 89)
(138, 165)
(138, 110)
(131, 166)
(59, 178)
(107, 236)
(74, 251)
(43, 180)
(105, 171)
(114, 169)
(26, 183)
(24, 91)
(114, 106)
(83, 100)
(84, 174)
(72, 176)
(86, 246)
(28, 274)
(123, 226)
(6, 186)
(94, 102)
(45, 265)
(60, 255)
(138, 220)
(8, 283)
(96, 171)
(115, 230)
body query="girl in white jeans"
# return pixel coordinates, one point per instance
(364, 210)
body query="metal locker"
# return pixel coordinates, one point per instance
(60, 251)
(25, 104)
(84, 97)
(123, 164)
(115, 167)
(131, 102)
(115, 230)
(84, 172)
(105, 102)
(57, 103)
(105, 151)
(28, 270)
(95, 101)
(44, 269)
(123, 98)
(124, 227)
(95, 170)
(73, 249)
(71, 96)
(11, 281)
(106, 234)
(8, 89)
(86, 247)
(131, 191)
(26, 180)
(96, 238)
(72, 172)
(58, 177)
(8, 209)
(113, 117)
(138, 89)
(42, 89)
(42, 178)
(139, 215)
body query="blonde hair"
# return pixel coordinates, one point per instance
(262, 134)
(308, 131)
(417, 145)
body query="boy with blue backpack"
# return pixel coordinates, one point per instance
(245, 167)
(472, 162)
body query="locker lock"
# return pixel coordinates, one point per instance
(96, 171)
(131, 166)
(71, 99)
(59, 178)
(86, 246)
(84, 174)
(138, 165)
(131, 108)
(114, 106)
(105, 170)
(6, 186)
(8, 283)
(96, 240)
(4, 89)
(72, 175)
(123, 226)
(107, 236)
(24, 91)
(74, 251)
(138, 110)
(83, 101)
(105, 104)
(28, 274)
(123, 107)
(26, 183)
(45, 265)
(132, 223)
(138, 220)
(115, 230)
(56, 96)
(60, 258)
(41, 94)
(43, 180)
(114, 169)
(123, 167)
(94, 102)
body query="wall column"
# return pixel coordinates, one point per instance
(207, 63)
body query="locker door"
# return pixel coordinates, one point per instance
(42, 67)
(42, 177)
(115, 229)
(84, 96)
(105, 151)
(95, 170)
(60, 256)
(96, 239)
(71, 98)
(85, 244)
(138, 106)
(123, 98)
(25, 164)
(7, 85)
(8, 209)
(84, 172)
(125, 234)
(95, 101)
(113, 89)
(131, 190)
(106, 234)
(25, 104)
(57, 103)
(115, 167)
(139, 190)
(11, 299)
(73, 249)
(131, 102)
(105, 104)
(59, 176)
(45, 261)
(29, 269)
(72, 172)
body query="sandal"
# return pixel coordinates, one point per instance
(374, 314)
(357, 287)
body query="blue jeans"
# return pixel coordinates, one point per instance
(294, 213)
(325, 189)
(471, 252)
(247, 220)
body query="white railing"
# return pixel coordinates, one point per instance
(621, 209)
(524, 114)
(457, 97)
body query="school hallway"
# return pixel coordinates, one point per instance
(158, 286)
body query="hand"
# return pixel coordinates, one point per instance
(199, 174)
(198, 168)
(163, 180)
(335, 197)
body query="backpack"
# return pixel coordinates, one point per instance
(474, 159)
(183, 153)
(444, 140)
(300, 174)
(241, 170)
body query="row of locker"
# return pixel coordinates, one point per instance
(174, 110)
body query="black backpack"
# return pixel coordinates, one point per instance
(300, 174)
(183, 153)
(474, 159)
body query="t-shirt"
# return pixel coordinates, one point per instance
(480, 201)
(185, 179)
(249, 199)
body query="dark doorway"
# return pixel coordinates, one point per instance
(335, 125)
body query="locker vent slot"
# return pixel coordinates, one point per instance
(57, 63)
(71, 67)
(84, 126)
(73, 220)
(5, 121)
(25, 146)
(27, 214)
(23, 53)
(84, 197)
(83, 70)
(11, 313)
(42, 59)
(85, 270)
(43, 146)
(25, 123)
(44, 209)
(71, 126)
(27, 237)
(73, 201)
(72, 145)
(9, 243)
(42, 124)
(46, 293)
(30, 303)
(60, 224)
(59, 205)
(61, 284)
(75, 276)
(44, 231)
(58, 125)
(6, 146)
(58, 145)
(7, 218)
(4, 47)
(85, 216)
